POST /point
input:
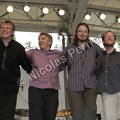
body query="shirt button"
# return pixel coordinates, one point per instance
(105, 83)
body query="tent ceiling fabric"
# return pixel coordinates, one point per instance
(52, 22)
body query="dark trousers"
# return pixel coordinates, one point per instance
(7, 106)
(83, 104)
(43, 104)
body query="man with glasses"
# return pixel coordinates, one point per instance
(12, 56)
(108, 77)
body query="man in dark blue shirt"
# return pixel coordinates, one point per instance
(12, 56)
(108, 77)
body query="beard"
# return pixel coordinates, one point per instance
(84, 40)
(108, 45)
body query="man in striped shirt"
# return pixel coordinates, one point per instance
(81, 57)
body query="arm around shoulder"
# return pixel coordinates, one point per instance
(24, 61)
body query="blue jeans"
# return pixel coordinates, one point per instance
(83, 104)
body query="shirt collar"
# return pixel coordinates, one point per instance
(9, 41)
(88, 44)
(113, 52)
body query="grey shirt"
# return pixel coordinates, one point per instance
(108, 73)
(81, 65)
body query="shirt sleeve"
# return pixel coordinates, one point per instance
(24, 61)
(63, 59)
(99, 50)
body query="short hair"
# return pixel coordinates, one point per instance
(47, 35)
(103, 35)
(8, 22)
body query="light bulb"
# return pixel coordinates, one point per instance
(61, 12)
(10, 8)
(87, 17)
(26, 8)
(102, 16)
(45, 10)
(118, 20)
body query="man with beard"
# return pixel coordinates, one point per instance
(108, 77)
(81, 66)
